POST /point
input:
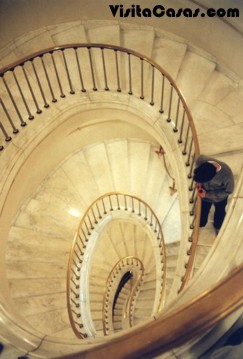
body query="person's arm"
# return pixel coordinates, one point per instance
(223, 192)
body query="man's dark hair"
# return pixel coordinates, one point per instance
(204, 173)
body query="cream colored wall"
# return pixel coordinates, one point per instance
(210, 34)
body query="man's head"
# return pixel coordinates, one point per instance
(204, 173)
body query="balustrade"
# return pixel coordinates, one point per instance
(31, 85)
(111, 203)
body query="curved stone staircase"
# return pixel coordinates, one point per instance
(41, 234)
(35, 269)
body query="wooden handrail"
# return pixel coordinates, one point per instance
(115, 48)
(192, 319)
(125, 264)
(193, 248)
(73, 267)
(182, 121)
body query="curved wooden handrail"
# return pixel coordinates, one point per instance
(193, 318)
(115, 48)
(193, 248)
(123, 265)
(185, 118)
(77, 251)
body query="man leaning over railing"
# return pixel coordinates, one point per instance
(215, 182)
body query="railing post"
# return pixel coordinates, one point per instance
(46, 105)
(38, 110)
(31, 117)
(22, 122)
(117, 72)
(67, 72)
(48, 80)
(57, 75)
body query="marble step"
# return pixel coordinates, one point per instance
(41, 303)
(169, 52)
(22, 269)
(195, 73)
(57, 321)
(22, 288)
(32, 246)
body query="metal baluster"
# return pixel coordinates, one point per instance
(193, 194)
(189, 153)
(57, 75)
(81, 240)
(76, 304)
(77, 276)
(39, 84)
(151, 219)
(170, 104)
(193, 207)
(133, 205)
(86, 238)
(182, 127)
(76, 265)
(75, 293)
(76, 285)
(80, 326)
(72, 92)
(7, 137)
(191, 185)
(90, 222)
(139, 208)
(95, 219)
(31, 117)
(130, 75)
(186, 142)
(79, 71)
(146, 213)
(111, 208)
(80, 249)
(79, 258)
(98, 209)
(38, 110)
(162, 95)
(175, 129)
(104, 69)
(78, 315)
(103, 203)
(142, 79)
(22, 122)
(15, 130)
(87, 228)
(117, 73)
(152, 87)
(125, 198)
(48, 80)
(192, 164)
(118, 203)
(92, 69)
(193, 223)
(155, 227)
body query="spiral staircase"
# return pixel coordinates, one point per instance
(43, 215)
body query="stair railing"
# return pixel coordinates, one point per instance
(106, 205)
(194, 318)
(33, 83)
(124, 265)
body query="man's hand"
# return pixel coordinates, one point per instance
(200, 190)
